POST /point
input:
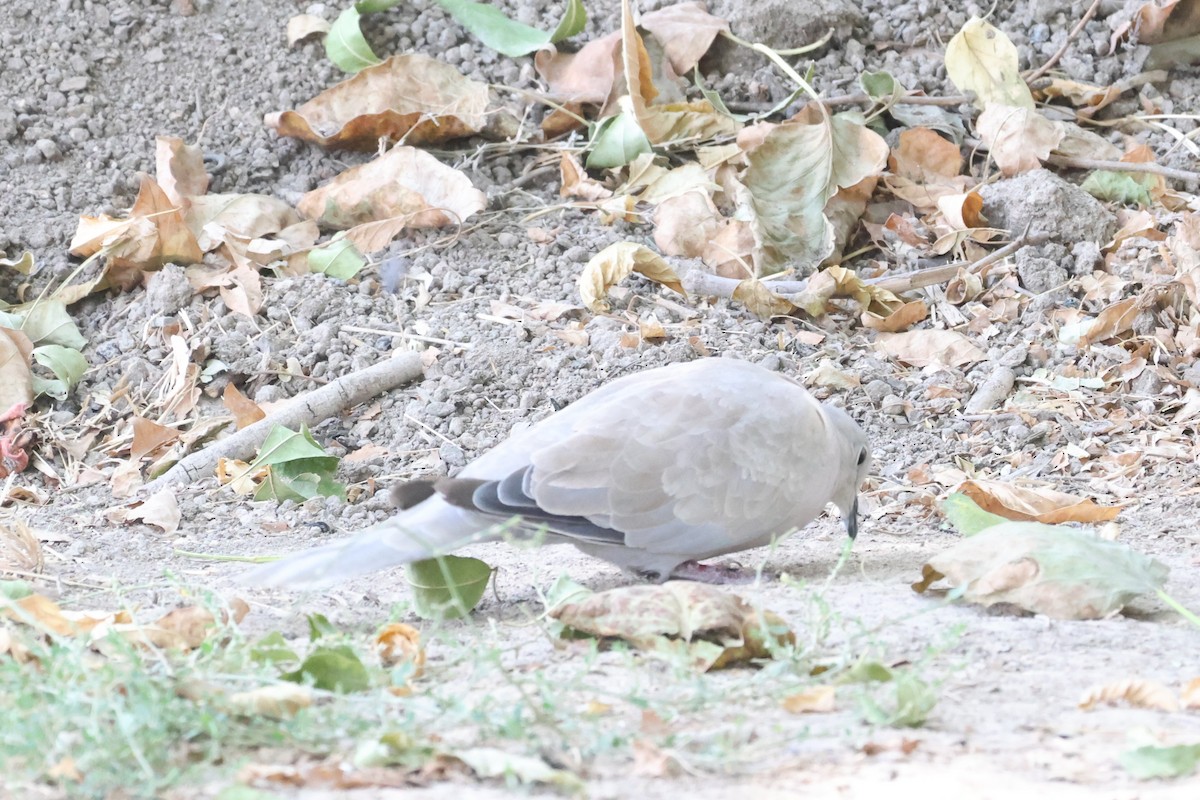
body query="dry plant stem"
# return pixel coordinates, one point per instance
(705, 283)
(1070, 162)
(307, 409)
(1062, 51)
(860, 99)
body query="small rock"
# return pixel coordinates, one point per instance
(48, 149)
(155, 55)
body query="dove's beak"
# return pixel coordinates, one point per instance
(851, 519)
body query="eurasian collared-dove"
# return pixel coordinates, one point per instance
(659, 468)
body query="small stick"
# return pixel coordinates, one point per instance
(1062, 51)
(307, 409)
(1070, 162)
(705, 283)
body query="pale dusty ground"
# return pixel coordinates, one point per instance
(1007, 721)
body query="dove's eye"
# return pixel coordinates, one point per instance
(862, 457)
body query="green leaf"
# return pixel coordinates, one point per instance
(45, 322)
(273, 649)
(1161, 762)
(298, 469)
(345, 45)
(880, 85)
(867, 672)
(1119, 187)
(334, 669)
(904, 701)
(965, 515)
(447, 587)
(319, 625)
(15, 590)
(489, 25)
(616, 141)
(338, 259)
(67, 364)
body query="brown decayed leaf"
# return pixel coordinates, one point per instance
(179, 168)
(1040, 505)
(213, 218)
(759, 300)
(1019, 139)
(1089, 98)
(686, 225)
(280, 701)
(404, 183)
(1112, 321)
(16, 376)
(900, 319)
(713, 627)
(160, 510)
(575, 182)
(149, 437)
(44, 614)
(583, 77)
(398, 643)
(827, 374)
(922, 154)
(1175, 19)
(614, 263)
(686, 31)
(1137, 692)
(817, 700)
(925, 347)
(413, 98)
(670, 122)
(730, 253)
(244, 410)
(20, 549)
(302, 26)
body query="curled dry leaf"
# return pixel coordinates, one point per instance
(714, 628)
(280, 701)
(244, 410)
(686, 225)
(154, 234)
(398, 643)
(179, 168)
(160, 510)
(614, 263)
(404, 188)
(1058, 571)
(410, 98)
(1019, 139)
(575, 182)
(922, 154)
(20, 549)
(213, 218)
(1137, 692)
(1037, 504)
(902, 318)
(759, 300)
(42, 613)
(925, 347)
(686, 31)
(827, 374)
(192, 625)
(149, 438)
(302, 26)
(981, 59)
(817, 700)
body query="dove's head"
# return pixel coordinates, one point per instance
(854, 463)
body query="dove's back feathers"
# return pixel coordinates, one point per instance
(674, 464)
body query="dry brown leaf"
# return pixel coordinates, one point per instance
(730, 253)
(922, 154)
(1019, 139)
(398, 643)
(686, 225)
(302, 26)
(179, 168)
(16, 376)
(149, 437)
(1112, 321)
(20, 549)
(1137, 692)
(160, 510)
(404, 183)
(411, 98)
(244, 410)
(686, 31)
(1039, 505)
(817, 700)
(41, 612)
(238, 476)
(584, 77)
(962, 212)
(670, 122)
(759, 300)
(614, 263)
(827, 374)
(925, 347)
(1088, 98)
(1155, 23)
(575, 182)
(904, 317)
(1189, 698)
(214, 218)
(280, 701)
(711, 627)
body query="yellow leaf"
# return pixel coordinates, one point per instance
(614, 263)
(981, 59)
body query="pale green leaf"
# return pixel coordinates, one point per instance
(447, 586)
(616, 141)
(1119, 187)
(338, 259)
(489, 25)
(333, 669)
(67, 364)
(968, 517)
(1149, 762)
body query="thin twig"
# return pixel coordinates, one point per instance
(1070, 162)
(309, 408)
(750, 107)
(1062, 51)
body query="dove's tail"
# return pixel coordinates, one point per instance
(430, 528)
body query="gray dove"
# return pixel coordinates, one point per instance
(652, 471)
